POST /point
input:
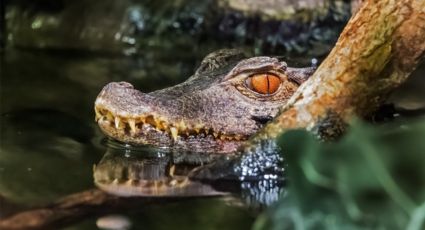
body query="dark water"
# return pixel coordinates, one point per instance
(49, 141)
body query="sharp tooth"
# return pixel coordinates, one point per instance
(110, 116)
(98, 116)
(215, 135)
(173, 183)
(132, 124)
(158, 124)
(174, 133)
(117, 122)
(129, 181)
(199, 128)
(172, 170)
(161, 125)
(101, 118)
(150, 120)
(182, 125)
(184, 182)
(143, 119)
(165, 126)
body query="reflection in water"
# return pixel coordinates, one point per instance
(263, 192)
(259, 174)
(145, 171)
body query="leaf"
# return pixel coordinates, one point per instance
(373, 178)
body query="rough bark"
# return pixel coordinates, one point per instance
(378, 49)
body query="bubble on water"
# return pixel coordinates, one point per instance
(113, 222)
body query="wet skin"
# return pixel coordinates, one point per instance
(228, 99)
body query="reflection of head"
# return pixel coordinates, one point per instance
(150, 172)
(144, 172)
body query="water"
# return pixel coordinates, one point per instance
(50, 142)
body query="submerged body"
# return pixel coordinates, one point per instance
(228, 99)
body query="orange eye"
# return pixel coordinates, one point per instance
(264, 83)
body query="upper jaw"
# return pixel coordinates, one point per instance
(121, 99)
(125, 114)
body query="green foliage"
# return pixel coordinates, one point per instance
(373, 178)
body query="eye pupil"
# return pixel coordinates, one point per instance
(264, 83)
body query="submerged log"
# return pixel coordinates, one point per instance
(378, 49)
(76, 207)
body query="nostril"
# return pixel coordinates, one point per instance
(114, 87)
(124, 84)
(121, 85)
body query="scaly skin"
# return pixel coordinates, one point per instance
(213, 111)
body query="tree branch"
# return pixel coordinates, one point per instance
(378, 49)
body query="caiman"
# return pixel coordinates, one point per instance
(228, 99)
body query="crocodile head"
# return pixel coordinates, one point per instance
(228, 99)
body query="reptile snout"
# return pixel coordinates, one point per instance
(115, 89)
(122, 84)
(121, 98)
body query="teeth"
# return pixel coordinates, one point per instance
(199, 127)
(143, 119)
(133, 182)
(182, 125)
(98, 116)
(129, 181)
(173, 182)
(132, 124)
(161, 126)
(117, 122)
(158, 123)
(172, 170)
(174, 133)
(184, 182)
(109, 116)
(150, 120)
